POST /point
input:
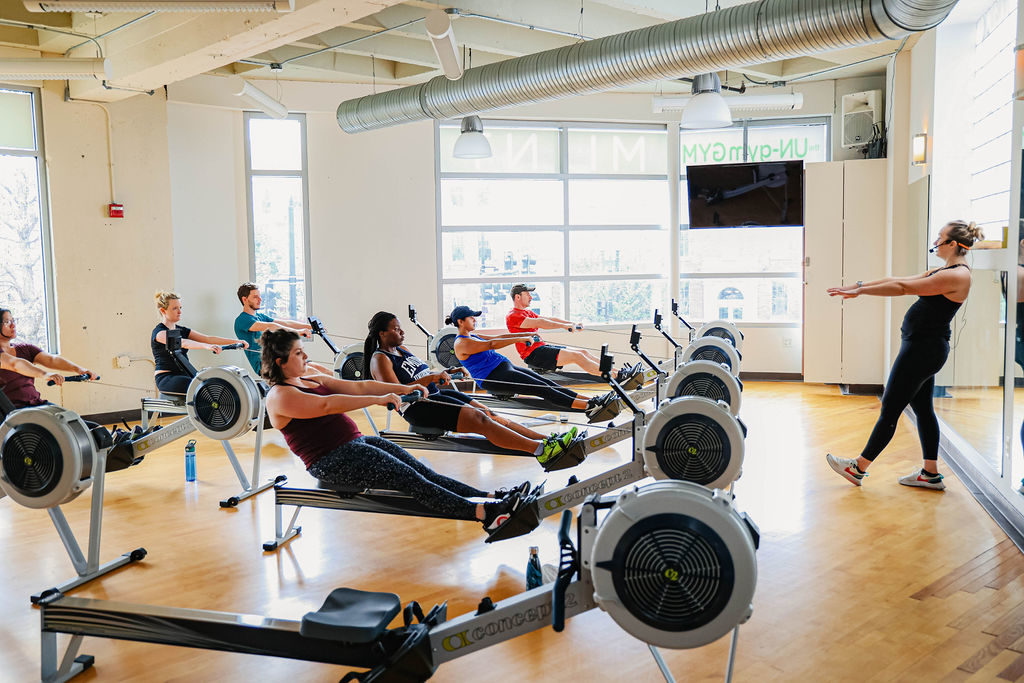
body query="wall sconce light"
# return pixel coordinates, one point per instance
(1018, 73)
(919, 150)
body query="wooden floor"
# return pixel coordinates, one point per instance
(879, 583)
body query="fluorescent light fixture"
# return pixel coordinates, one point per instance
(263, 101)
(472, 144)
(159, 5)
(56, 69)
(919, 150)
(439, 28)
(707, 108)
(736, 103)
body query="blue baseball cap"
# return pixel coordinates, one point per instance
(460, 312)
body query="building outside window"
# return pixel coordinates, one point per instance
(26, 273)
(278, 195)
(580, 212)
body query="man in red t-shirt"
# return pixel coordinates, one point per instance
(521, 320)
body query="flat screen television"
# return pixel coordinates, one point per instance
(744, 195)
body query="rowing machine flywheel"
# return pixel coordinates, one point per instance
(674, 564)
(708, 379)
(722, 329)
(443, 347)
(47, 456)
(716, 350)
(349, 363)
(223, 402)
(694, 439)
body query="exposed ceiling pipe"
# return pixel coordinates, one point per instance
(758, 32)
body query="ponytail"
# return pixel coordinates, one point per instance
(378, 323)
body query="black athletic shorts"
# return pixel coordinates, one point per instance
(544, 357)
(440, 410)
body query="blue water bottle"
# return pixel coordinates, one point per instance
(534, 573)
(190, 460)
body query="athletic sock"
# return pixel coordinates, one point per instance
(540, 449)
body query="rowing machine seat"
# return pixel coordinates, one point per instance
(427, 431)
(177, 399)
(351, 616)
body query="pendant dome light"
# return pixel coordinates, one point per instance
(707, 109)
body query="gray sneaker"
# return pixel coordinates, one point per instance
(846, 468)
(923, 479)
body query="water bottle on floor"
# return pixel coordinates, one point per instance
(534, 573)
(190, 460)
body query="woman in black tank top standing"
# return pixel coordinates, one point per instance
(923, 352)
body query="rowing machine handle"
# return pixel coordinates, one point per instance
(411, 397)
(84, 377)
(228, 347)
(564, 575)
(457, 375)
(529, 343)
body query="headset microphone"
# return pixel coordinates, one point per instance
(932, 250)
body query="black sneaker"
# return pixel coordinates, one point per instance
(523, 490)
(599, 406)
(499, 512)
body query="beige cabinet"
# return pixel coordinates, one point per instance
(844, 241)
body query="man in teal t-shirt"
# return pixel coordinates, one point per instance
(251, 324)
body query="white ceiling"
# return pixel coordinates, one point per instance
(150, 51)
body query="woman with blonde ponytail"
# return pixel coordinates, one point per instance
(925, 332)
(170, 379)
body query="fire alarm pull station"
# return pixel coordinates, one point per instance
(116, 210)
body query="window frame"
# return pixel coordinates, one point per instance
(746, 125)
(565, 228)
(302, 173)
(38, 152)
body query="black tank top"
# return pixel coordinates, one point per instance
(929, 317)
(408, 368)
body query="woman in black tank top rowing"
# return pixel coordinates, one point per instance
(386, 360)
(923, 352)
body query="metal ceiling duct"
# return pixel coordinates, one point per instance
(742, 35)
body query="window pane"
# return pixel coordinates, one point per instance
(478, 254)
(741, 299)
(618, 151)
(786, 143)
(277, 218)
(611, 252)
(618, 202)
(275, 145)
(723, 146)
(513, 150)
(493, 300)
(22, 287)
(501, 202)
(17, 120)
(741, 250)
(616, 301)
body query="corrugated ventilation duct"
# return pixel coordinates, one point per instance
(743, 35)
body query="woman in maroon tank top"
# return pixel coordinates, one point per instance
(309, 409)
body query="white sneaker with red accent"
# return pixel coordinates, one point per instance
(925, 480)
(846, 468)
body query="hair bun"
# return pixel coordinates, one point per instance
(448, 320)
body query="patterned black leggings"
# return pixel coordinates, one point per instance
(375, 463)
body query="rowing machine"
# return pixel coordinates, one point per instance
(722, 329)
(674, 565)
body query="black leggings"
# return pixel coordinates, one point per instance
(375, 463)
(508, 379)
(440, 409)
(172, 383)
(911, 382)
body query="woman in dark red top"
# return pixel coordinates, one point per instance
(19, 363)
(310, 408)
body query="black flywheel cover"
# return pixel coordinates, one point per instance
(446, 352)
(706, 385)
(217, 404)
(352, 368)
(32, 460)
(672, 572)
(693, 447)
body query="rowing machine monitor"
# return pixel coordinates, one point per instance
(606, 364)
(657, 326)
(675, 312)
(84, 377)
(174, 348)
(317, 327)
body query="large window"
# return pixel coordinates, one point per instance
(275, 164)
(745, 274)
(25, 272)
(579, 211)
